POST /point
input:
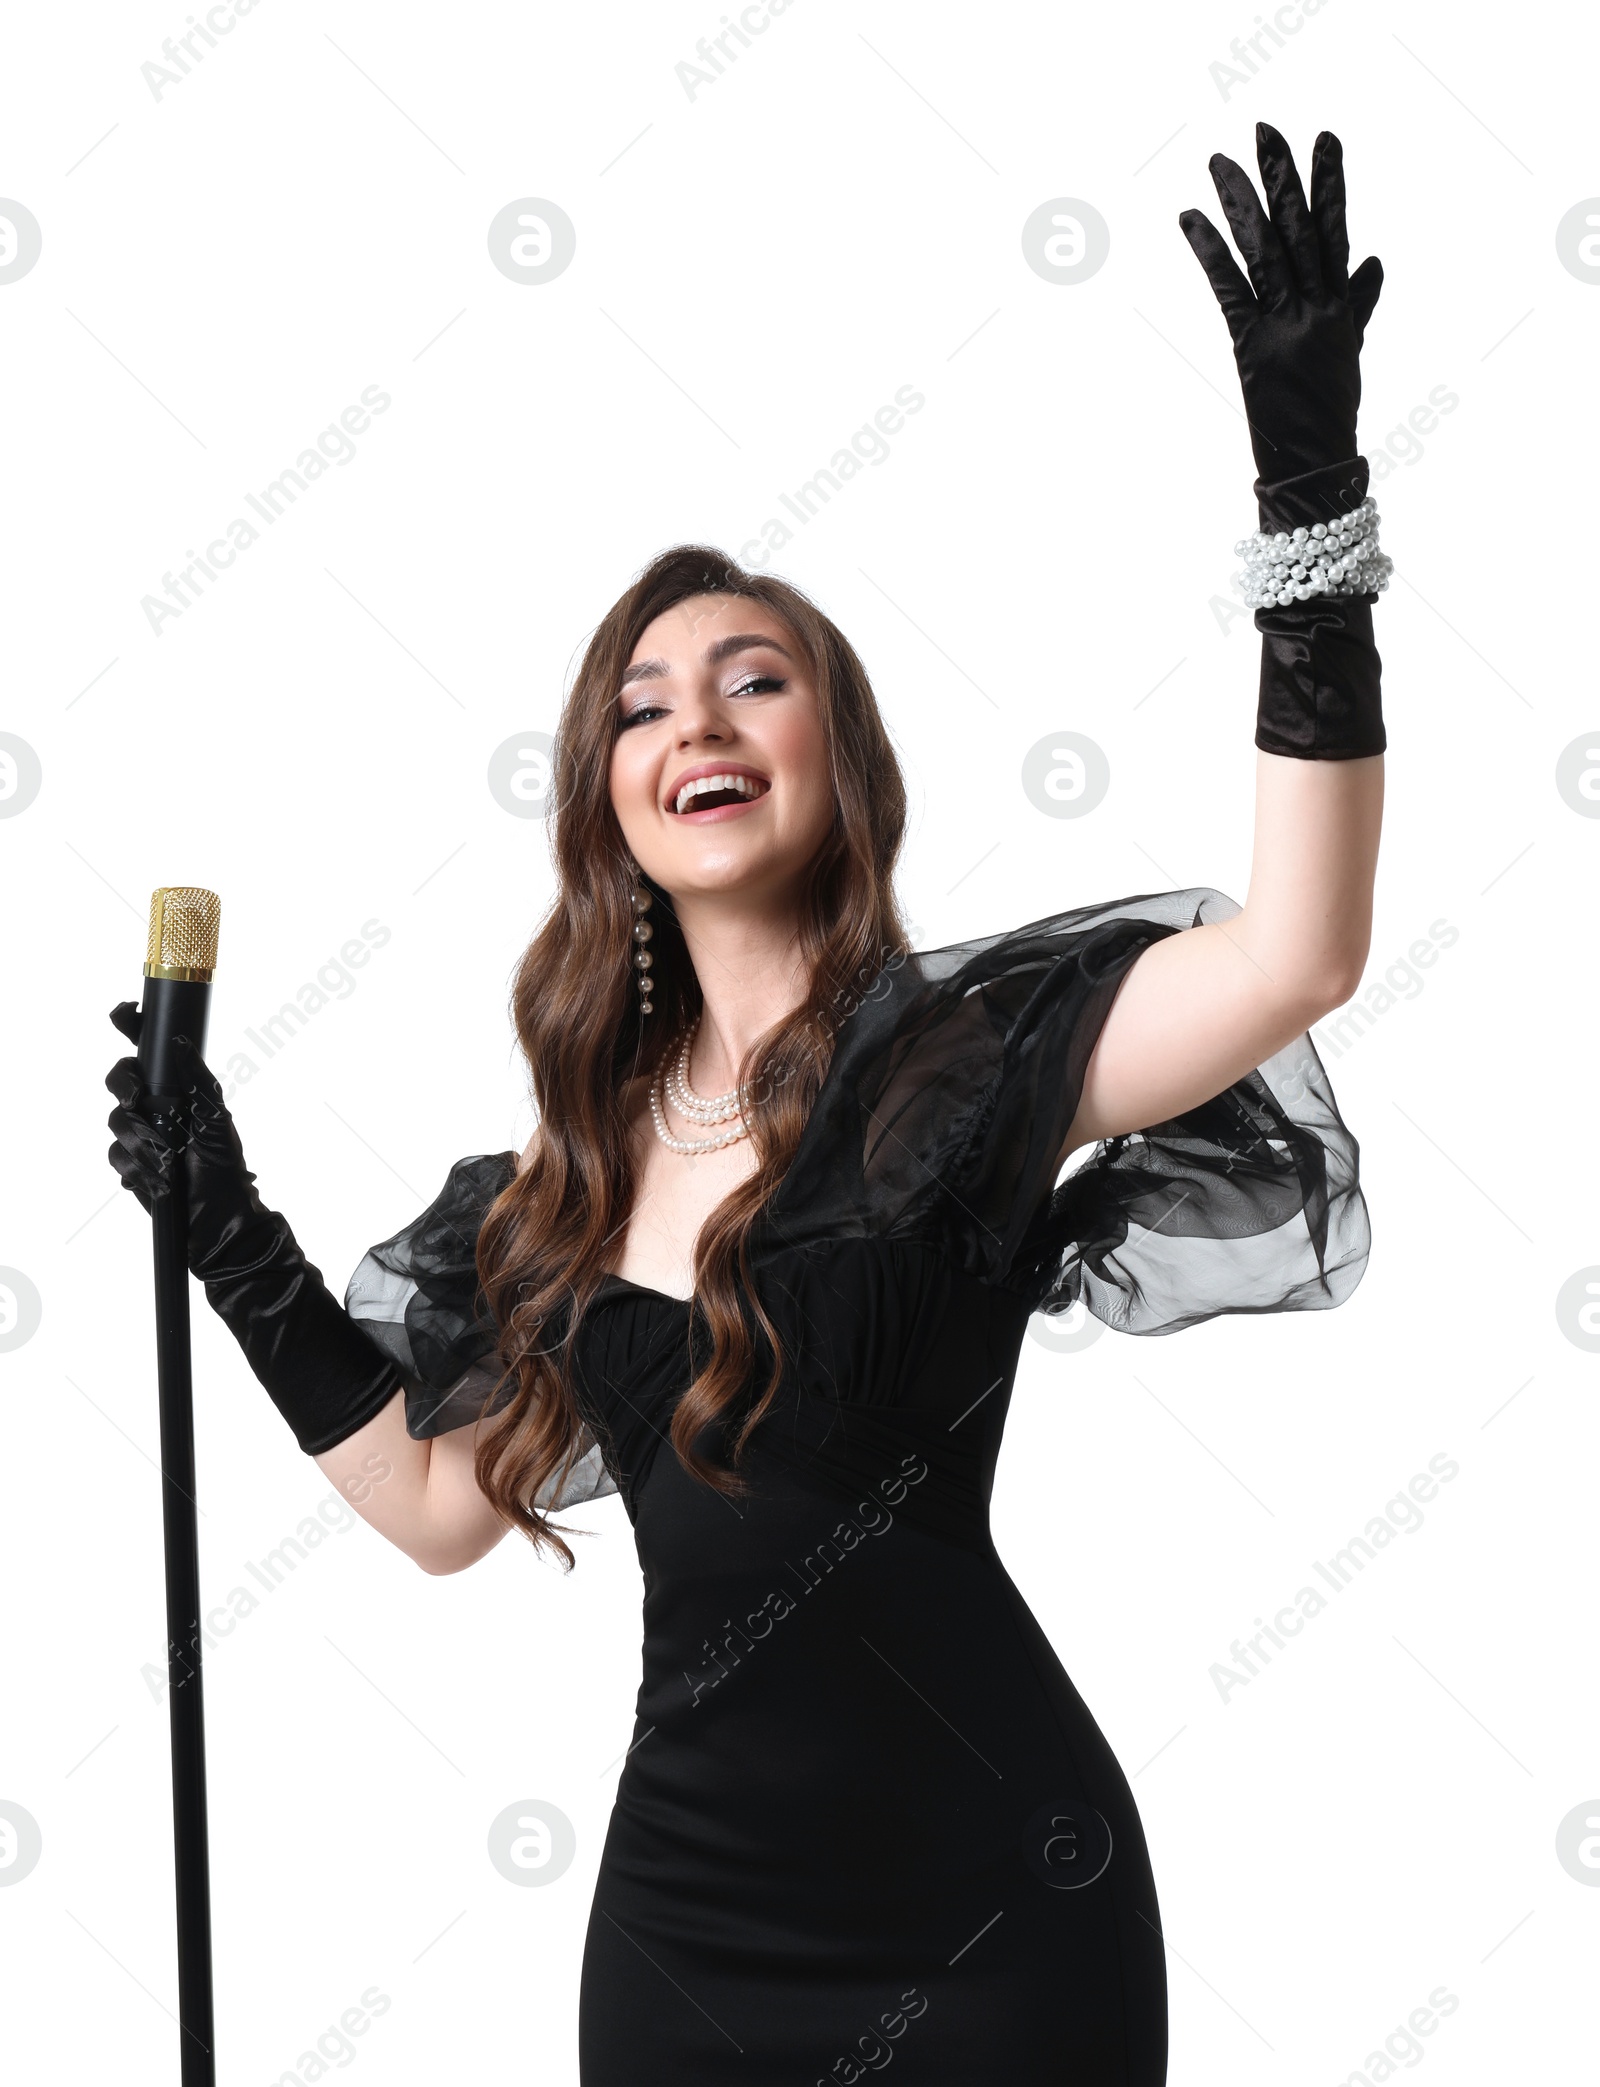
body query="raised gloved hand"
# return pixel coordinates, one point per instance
(1297, 326)
(320, 1370)
(1298, 323)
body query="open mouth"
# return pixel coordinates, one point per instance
(719, 793)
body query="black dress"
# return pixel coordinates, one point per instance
(865, 1815)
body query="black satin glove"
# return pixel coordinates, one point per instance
(321, 1371)
(1297, 326)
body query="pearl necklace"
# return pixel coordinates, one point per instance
(699, 1108)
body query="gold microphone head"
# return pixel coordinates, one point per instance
(183, 933)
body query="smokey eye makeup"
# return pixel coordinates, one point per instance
(754, 684)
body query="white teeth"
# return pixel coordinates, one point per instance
(744, 784)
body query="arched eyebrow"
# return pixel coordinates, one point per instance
(724, 648)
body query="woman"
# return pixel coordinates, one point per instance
(766, 1266)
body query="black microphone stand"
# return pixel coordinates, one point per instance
(179, 1005)
(185, 1700)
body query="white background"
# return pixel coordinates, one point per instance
(758, 269)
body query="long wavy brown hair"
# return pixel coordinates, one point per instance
(546, 1240)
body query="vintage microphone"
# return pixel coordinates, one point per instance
(180, 959)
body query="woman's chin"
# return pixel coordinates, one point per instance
(715, 870)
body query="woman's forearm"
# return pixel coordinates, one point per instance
(423, 1496)
(1307, 915)
(383, 1474)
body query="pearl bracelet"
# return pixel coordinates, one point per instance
(1339, 557)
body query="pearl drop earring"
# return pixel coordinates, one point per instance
(643, 961)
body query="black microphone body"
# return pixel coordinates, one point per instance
(171, 1007)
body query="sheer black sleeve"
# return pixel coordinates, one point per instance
(416, 1297)
(956, 1084)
